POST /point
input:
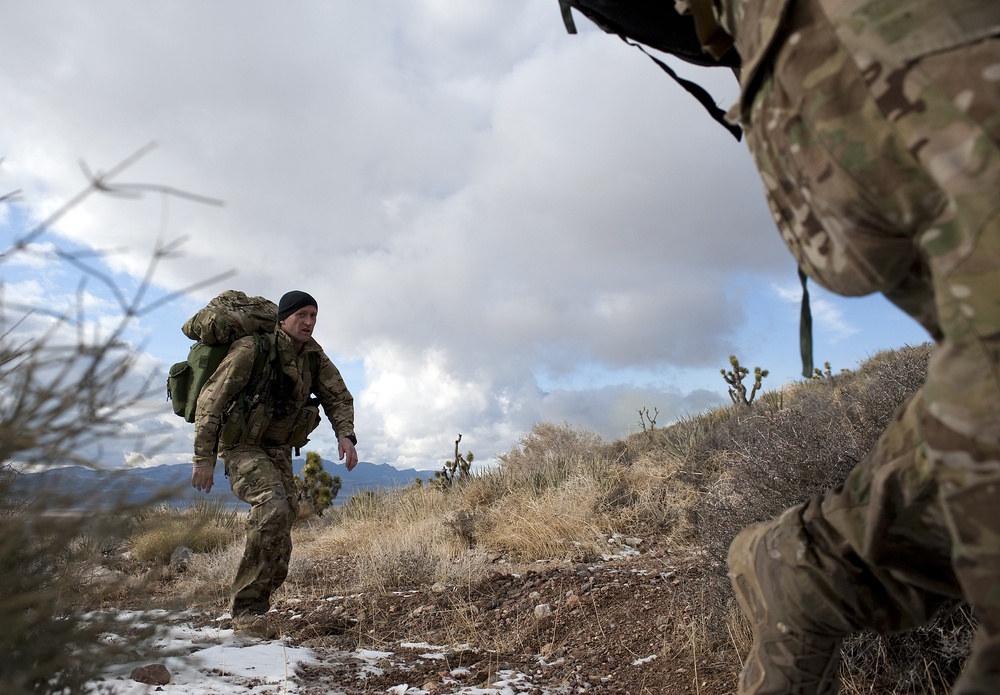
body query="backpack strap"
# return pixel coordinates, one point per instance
(567, 16)
(805, 329)
(265, 354)
(704, 29)
(695, 90)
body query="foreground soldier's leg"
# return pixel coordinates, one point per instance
(872, 553)
(257, 476)
(866, 162)
(950, 119)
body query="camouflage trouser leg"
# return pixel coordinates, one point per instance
(962, 427)
(264, 479)
(884, 175)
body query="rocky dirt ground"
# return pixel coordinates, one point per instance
(631, 624)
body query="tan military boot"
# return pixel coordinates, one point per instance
(788, 657)
(254, 625)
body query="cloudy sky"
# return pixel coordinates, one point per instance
(503, 224)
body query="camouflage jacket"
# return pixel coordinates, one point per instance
(907, 30)
(286, 397)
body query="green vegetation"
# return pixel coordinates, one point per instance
(458, 469)
(317, 488)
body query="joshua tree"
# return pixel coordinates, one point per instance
(317, 486)
(737, 389)
(459, 468)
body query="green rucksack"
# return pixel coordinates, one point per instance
(228, 317)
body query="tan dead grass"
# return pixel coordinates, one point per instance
(203, 528)
(558, 524)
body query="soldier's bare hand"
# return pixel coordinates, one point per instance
(202, 478)
(348, 454)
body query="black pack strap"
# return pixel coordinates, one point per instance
(695, 90)
(805, 329)
(567, 16)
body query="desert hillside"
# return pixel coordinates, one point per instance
(578, 564)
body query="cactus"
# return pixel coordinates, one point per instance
(316, 486)
(460, 468)
(825, 373)
(737, 389)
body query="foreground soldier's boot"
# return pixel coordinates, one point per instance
(789, 656)
(254, 625)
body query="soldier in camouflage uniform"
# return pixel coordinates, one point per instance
(876, 129)
(256, 446)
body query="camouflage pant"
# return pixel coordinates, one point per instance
(263, 478)
(880, 157)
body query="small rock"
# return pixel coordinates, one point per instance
(543, 610)
(180, 558)
(438, 588)
(152, 674)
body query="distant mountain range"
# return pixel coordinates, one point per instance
(78, 487)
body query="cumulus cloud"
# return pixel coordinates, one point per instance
(479, 201)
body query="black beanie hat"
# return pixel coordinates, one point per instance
(292, 302)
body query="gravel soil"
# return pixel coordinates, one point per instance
(631, 625)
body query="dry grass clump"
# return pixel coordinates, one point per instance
(925, 660)
(202, 527)
(206, 578)
(557, 524)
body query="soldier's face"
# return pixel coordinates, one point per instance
(299, 326)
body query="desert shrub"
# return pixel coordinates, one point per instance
(749, 466)
(926, 659)
(559, 523)
(68, 388)
(203, 527)
(549, 444)
(761, 461)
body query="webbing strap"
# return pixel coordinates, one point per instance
(695, 90)
(567, 16)
(805, 329)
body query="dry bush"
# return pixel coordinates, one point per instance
(401, 560)
(203, 527)
(68, 388)
(757, 462)
(749, 465)
(557, 524)
(207, 578)
(395, 538)
(651, 499)
(549, 445)
(927, 659)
